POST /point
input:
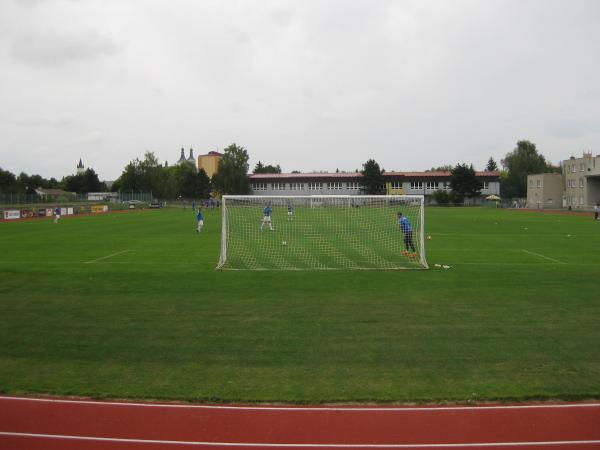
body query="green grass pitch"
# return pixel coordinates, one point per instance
(130, 306)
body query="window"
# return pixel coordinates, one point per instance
(396, 185)
(315, 186)
(296, 186)
(416, 185)
(539, 182)
(581, 167)
(278, 186)
(431, 185)
(530, 183)
(353, 185)
(581, 182)
(259, 186)
(334, 185)
(486, 185)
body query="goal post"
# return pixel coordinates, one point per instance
(321, 232)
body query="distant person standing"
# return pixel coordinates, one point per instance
(407, 230)
(200, 219)
(266, 218)
(290, 211)
(596, 210)
(193, 205)
(56, 214)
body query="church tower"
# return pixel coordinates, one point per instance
(80, 168)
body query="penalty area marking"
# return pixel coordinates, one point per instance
(294, 445)
(106, 257)
(542, 256)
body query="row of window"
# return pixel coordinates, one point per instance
(573, 167)
(354, 185)
(572, 183)
(312, 186)
(573, 200)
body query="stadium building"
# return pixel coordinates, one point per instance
(348, 183)
(578, 186)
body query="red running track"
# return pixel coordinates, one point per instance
(49, 424)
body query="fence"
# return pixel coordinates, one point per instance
(35, 199)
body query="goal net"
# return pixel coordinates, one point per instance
(322, 232)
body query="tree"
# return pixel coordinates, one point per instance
(445, 168)
(522, 161)
(8, 181)
(372, 182)
(232, 174)
(491, 165)
(261, 168)
(85, 182)
(463, 181)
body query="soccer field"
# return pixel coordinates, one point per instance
(130, 306)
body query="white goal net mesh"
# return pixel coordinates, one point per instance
(322, 232)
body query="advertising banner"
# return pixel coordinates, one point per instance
(42, 212)
(12, 214)
(98, 208)
(70, 211)
(26, 213)
(49, 212)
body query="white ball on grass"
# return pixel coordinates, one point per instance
(283, 243)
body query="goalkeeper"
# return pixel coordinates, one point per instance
(407, 230)
(266, 218)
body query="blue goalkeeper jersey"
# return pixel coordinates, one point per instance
(199, 216)
(267, 211)
(289, 208)
(405, 225)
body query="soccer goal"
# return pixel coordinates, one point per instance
(322, 232)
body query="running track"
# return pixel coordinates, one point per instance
(49, 424)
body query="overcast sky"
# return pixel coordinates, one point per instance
(309, 85)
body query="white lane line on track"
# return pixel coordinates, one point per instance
(106, 257)
(293, 445)
(542, 256)
(300, 408)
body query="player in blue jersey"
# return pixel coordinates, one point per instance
(407, 230)
(200, 219)
(56, 215)
(290, 211)
(266, 218)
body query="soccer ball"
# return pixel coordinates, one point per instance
(283, 243)
(429, 237)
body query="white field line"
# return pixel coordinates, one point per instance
(542, 256)
(309, 409)
(293, 445)
(106, 257)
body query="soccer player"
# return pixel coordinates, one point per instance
(200, 219)
(406, 228)
(266, 218)
(56, 214)
(290, 211)
(596, 210)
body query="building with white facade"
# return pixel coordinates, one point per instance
(396, 183)
(581, 177)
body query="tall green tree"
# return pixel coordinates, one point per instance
(232, 174)
(491, 165)
(261, 168)
(522, 161)
(372, 182)
(8, 181)
(464, 182)
(82, 183)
